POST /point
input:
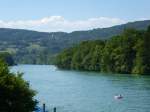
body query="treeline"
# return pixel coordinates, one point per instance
(125, 53)
(7, 57)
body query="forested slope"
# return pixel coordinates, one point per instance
(125, 53)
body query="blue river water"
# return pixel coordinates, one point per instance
(75, 91)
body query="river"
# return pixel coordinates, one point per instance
(75, 91)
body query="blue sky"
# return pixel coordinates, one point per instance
(72, 11)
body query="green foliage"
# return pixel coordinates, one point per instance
(15, 93)
(85, 56)
(142, 60)
(126, 53)
(5, 56)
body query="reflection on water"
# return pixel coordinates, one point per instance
(72, 91)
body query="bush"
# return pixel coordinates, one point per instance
(15, 93)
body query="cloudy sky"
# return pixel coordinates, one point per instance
(70, 15)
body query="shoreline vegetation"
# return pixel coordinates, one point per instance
(124, 53)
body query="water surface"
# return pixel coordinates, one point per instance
(72, 91)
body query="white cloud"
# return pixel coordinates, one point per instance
(142, 19)
(58, 23)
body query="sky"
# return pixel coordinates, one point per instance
(70, 15)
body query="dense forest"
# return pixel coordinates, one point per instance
(128, 52)
(41, 47)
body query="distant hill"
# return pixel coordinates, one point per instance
(40, 47)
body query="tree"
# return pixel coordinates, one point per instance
(15, 93)
(7, 57)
